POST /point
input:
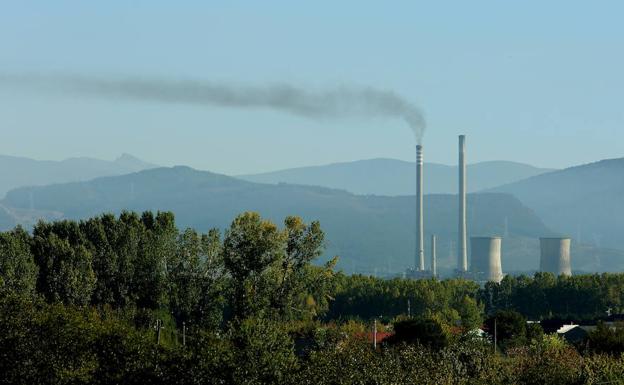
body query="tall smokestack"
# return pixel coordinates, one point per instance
(420, 234)
(434, 262)
(462, 256)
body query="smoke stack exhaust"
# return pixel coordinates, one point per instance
(434, 262)
(462, 256)
(420, 233)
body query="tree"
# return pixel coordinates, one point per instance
(607, 339)
(263, 352)
(18, 272)
(509, 326)
(250, 248)
(65, 270)
(292, 297)
(196, 278)
(423, 331)
(471, 313)
(157, 245)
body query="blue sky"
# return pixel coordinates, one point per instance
(533, 81)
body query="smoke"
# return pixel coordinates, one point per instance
(332, 103)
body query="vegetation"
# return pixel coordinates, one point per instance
(131, 299)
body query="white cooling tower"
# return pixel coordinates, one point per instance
(555, 256)
(486, 258)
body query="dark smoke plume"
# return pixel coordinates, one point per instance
(332, 103)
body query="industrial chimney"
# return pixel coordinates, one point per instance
(420, 252)
(462, 256)
(434, 258)
(555, 256)
(486, 258)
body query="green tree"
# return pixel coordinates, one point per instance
(263, 352)
(18, 272)
(424, 331)
(471, 313)
(65, 268)
(607, 339)
(509, 327)
(196, 278)
(156, 246)
(251, 247)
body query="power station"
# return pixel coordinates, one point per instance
(485, 251)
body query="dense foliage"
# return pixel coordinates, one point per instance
(134, 300)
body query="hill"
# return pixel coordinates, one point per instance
(368, 232)
(585, 202)
(19, 172)
(393, 177)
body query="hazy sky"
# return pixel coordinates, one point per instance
(540, 82)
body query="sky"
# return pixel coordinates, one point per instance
(539, 82)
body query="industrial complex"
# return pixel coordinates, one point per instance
(486, 256)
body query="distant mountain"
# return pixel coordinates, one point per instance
(396, 177)
(19, 172)
(368, 232)
(586, 202)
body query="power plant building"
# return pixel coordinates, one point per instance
(486, 258)
(555, 255)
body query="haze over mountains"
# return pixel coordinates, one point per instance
(393, 177)
(586, 202)
(369, 231)
(20, 171)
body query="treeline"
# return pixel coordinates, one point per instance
(545, 296)
(131, 299)
(65, 344)
(145, 262)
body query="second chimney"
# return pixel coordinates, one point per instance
(420, 233)
(462, 255)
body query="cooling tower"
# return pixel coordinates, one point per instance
(462, 255)
(420, 232)
(434, 261)
(555, 256)
(486, 258)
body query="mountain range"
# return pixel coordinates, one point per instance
(19, 171)
(368, 230)
(585, 202)
(369, 233)
(393, 177)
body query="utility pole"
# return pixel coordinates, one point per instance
(183, 333)
(375, 334)
(158, 327)
(495, 336)
(409, 308)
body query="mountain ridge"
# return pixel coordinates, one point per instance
(392, 177)
(22, 171)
